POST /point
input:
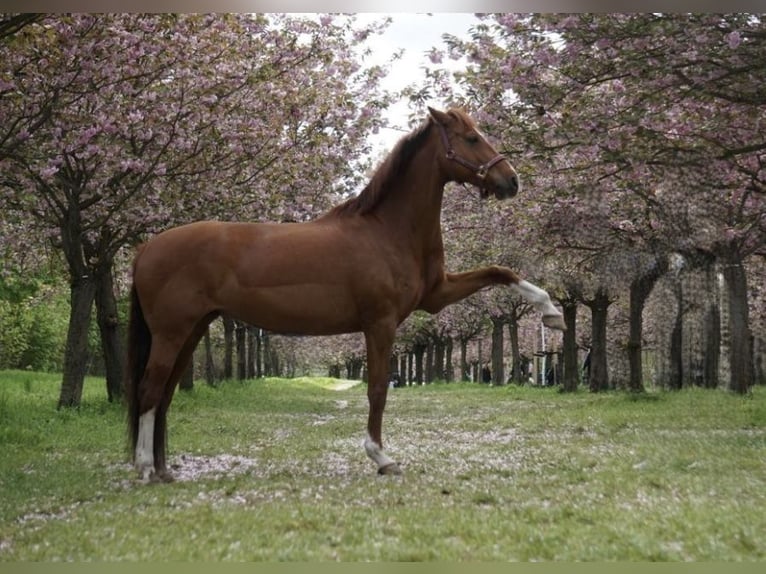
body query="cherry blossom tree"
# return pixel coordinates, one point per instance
(10, 25)
(640, 133)
(144, 121)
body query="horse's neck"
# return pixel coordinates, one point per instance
(412, 208)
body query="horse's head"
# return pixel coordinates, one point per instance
(473, 158)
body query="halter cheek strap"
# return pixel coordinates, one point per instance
(481, 171)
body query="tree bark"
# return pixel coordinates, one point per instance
(429, 374)
(438, 370)
(209, 362)
(449, 371)
(465, 368)
(239, 335)
(419, 352)
(513, 334)
(711, 362)
(741, 340)
(354, 367)
(250, 333)
(640, 289)
(498, 369)
(228, 348)
(599, 373)
(759, 348)
(83, 293)
(571, 375)
(112, 345)
(676, 374)
(187, 378)
(259, 368)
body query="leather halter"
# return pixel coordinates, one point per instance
(482, 170)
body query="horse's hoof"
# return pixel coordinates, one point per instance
(554, 322)
(390, 469)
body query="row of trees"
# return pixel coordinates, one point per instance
(639, 139)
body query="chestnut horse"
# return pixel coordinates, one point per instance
(363, 266)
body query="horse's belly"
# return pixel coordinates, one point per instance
(306, 309)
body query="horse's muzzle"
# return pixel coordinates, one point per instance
(503, 189)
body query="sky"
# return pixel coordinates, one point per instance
(416, 34)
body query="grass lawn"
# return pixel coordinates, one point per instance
(275, 470)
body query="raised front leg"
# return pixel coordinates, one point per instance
(458, 286)
(380, 341)
(541, 301)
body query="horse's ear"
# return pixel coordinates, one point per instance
(439, 116)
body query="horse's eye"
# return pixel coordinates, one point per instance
(472, 138)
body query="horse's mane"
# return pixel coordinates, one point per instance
(395, 163)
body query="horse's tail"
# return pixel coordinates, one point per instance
(139, 346)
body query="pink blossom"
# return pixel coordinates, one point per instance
(733, 39)
(48, 172)
(435, 56)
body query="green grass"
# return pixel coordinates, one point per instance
(275, 470)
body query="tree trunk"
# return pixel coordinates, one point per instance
(465, 369)
(599, 374)
(741, 340)
(186, 383)
(271, 363)
(635, 336)
(571, 375)
(676, 374)
(209, 362)
(419, 352)
(438, 372)
(449, 371)
(759, 350)
(250, 333)
(498, 369)
(83, 293)
(228, 348)
(429, 361)
(513, 334)
(354, 368)
(259, 372)
(266, 352)
(640, 289)
(111, 336)
(712, 346)
(239, 336)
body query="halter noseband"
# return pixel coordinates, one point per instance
(480, 170)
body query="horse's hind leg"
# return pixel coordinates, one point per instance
(160, 421)
(151, 391)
